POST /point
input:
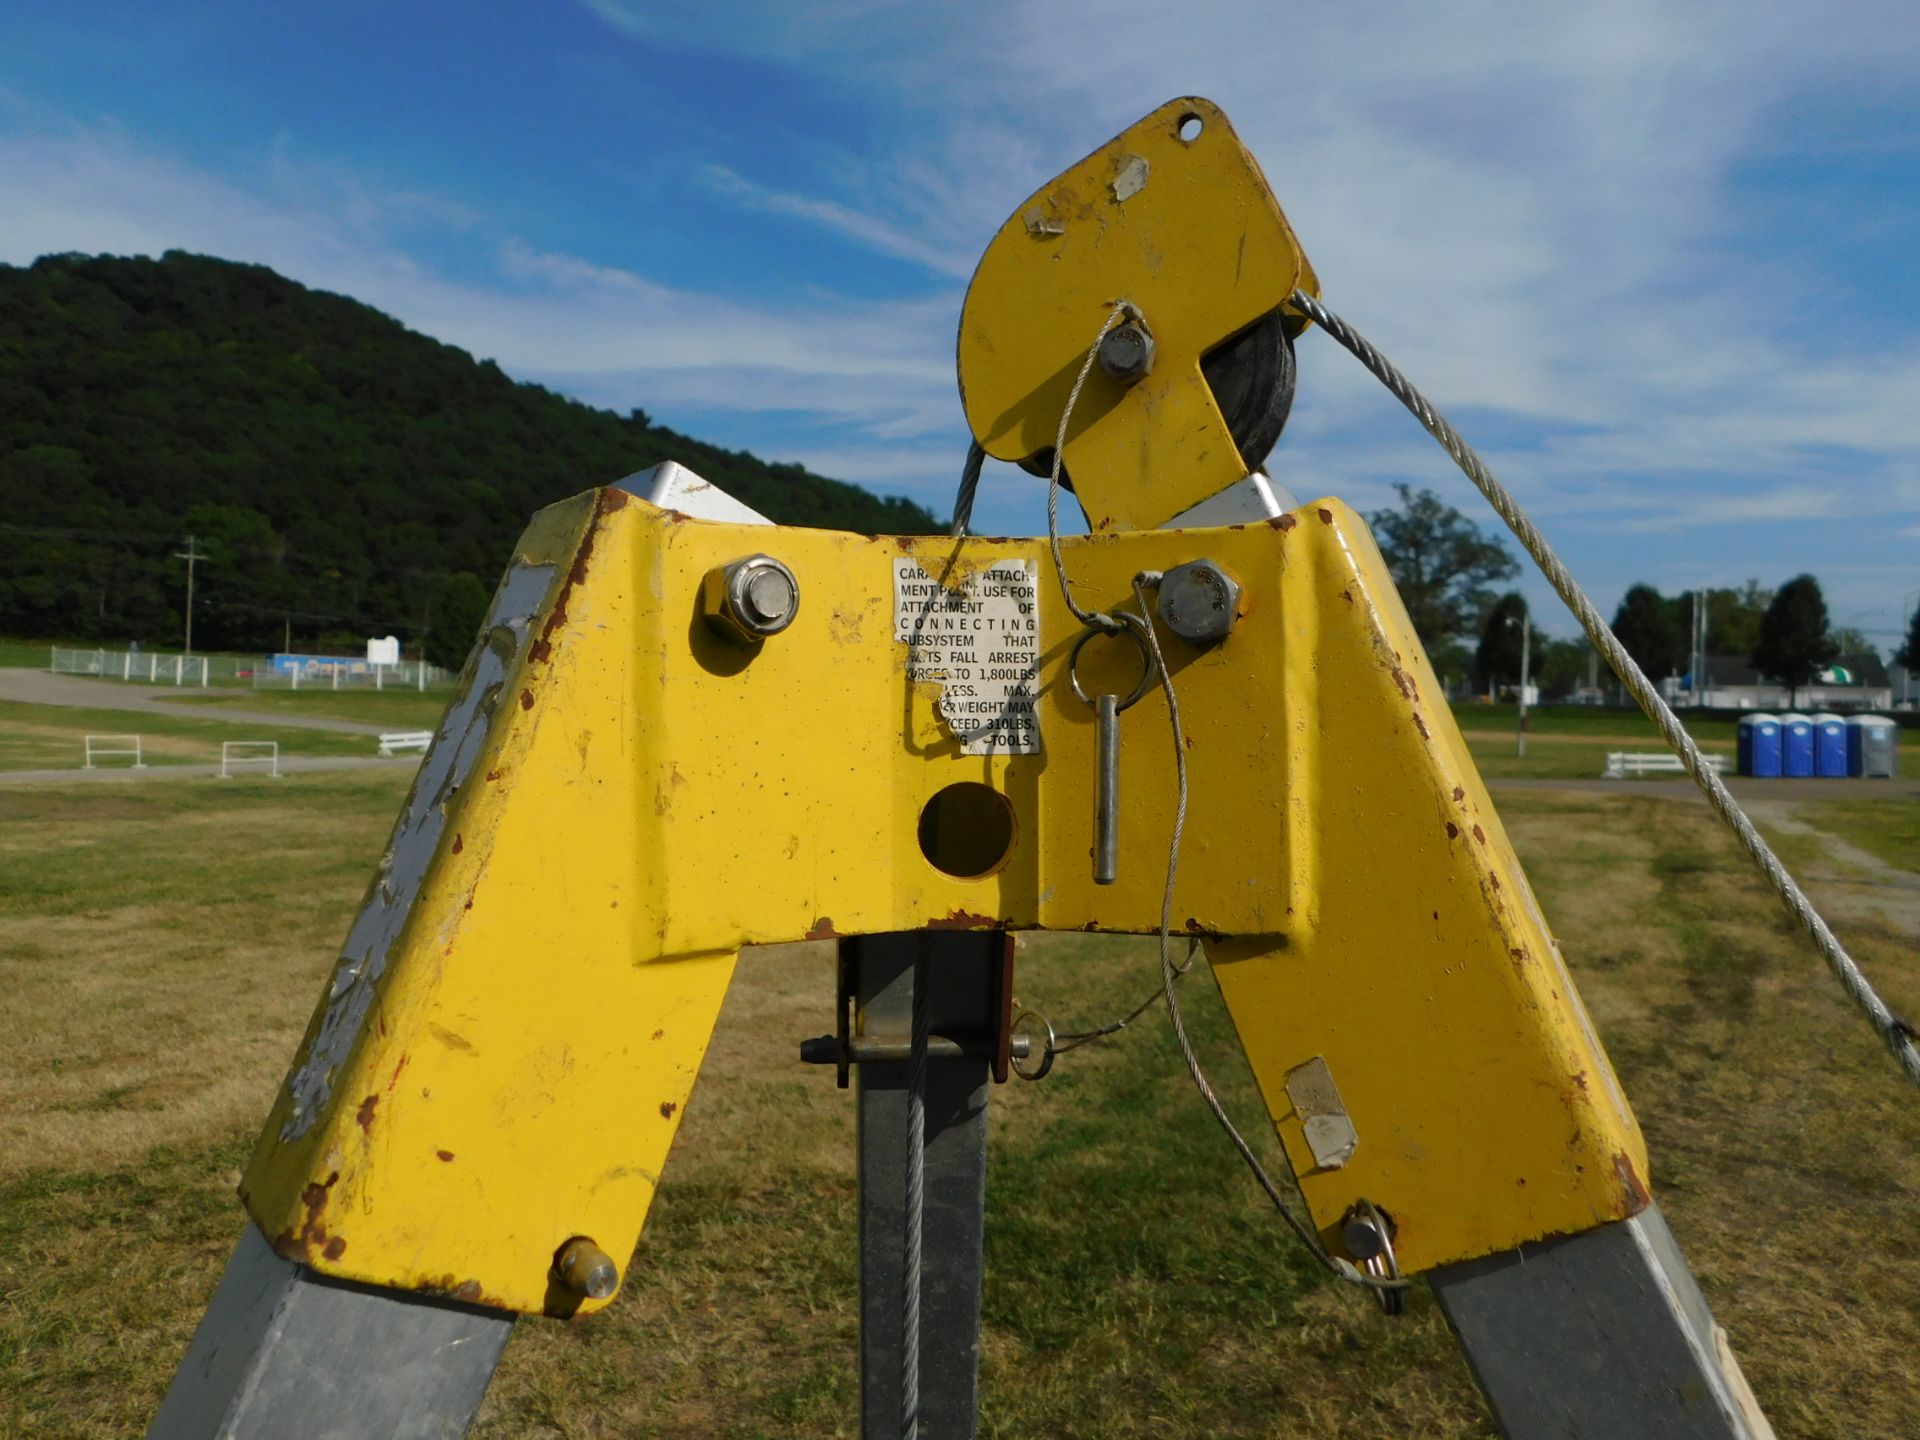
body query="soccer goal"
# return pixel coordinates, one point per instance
(111, 747)
(236, 754)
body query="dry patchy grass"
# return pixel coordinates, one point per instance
(53, 737)
(162, 950)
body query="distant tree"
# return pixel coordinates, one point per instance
(1648, 628)
(1561, 666)
(1733, 618)
(1794, 645)
(1849, 641)
(1907, 657)
(458, 610)
(1498, 657)
(1443, 564)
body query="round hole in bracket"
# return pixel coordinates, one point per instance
(966, 830)
(1190, 127)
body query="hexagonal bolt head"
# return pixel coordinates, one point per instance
(1361, 1236)
(1199, 602)
(584, 1268)
(750, 599)
(1127, 352)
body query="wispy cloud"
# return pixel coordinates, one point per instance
(862, 229)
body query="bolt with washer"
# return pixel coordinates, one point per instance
(1199, 602)
(1127, 351)
(750, 599)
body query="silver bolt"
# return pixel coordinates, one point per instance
(584, 1268)
(1127, 352)
(1360, 1233)
(1199, 602)
(751, 599)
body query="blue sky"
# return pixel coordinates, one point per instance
(1656, 260)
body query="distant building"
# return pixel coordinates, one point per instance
(1854, 682)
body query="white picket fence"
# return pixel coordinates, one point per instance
(236, 753)
(114, 746)
(146, 667)
(350, 675)
(152, 667)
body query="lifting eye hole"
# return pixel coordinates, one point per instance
(966, 831)
(1190, 127)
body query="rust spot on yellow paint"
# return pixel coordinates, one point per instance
(1630, 1181)
(823, 929)
(1453, 833)
(1326, 516)
(363, 1117)
(334, 1248)
(459, 843)
(526, 700)
(962, 919)
(445, 1156)
(1479, 834)
(667, 1107)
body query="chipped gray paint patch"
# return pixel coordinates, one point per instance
(458, 745)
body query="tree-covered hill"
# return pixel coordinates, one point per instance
(345, 475)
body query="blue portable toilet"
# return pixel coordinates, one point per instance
(1759, 747)
(1829, 746)
(1870, 746)
(1796, 746)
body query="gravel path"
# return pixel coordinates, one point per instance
(36, 687)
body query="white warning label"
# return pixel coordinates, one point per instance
(981, 644)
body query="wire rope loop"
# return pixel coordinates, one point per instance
(1383, 1265)
(1020, 1065)
(1131, 625)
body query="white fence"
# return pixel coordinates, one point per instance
(350, 675)
(148, 667)
(235, 753)
(394, 741)
(106, 746)
(151, 667)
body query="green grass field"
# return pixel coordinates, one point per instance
(53, 737)
(163, 945)
(400, 709)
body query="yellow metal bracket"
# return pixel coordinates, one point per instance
(1173, 217)
(621, 797)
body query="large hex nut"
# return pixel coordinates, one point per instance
(1199, 602)
(750, 599)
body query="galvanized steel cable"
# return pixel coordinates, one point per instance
(914, 1209)
(1095, 619)
(969, 484)
(1169, 972)
(1895, 1033)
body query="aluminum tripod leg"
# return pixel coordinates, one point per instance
(962, 970)
(284, 1354)
(1599, 1336)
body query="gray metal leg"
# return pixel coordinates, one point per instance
(283, 1354)
(1599, 1336)
(961, 974)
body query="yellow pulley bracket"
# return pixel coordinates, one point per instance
(622, 797)
(1174, 219)
(679, 736)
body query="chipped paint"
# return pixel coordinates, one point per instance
(457, 746)
(1130, 178)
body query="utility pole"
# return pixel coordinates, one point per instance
(1526, 656)
(193, 555)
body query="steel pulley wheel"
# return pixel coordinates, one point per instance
(1252, 377)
